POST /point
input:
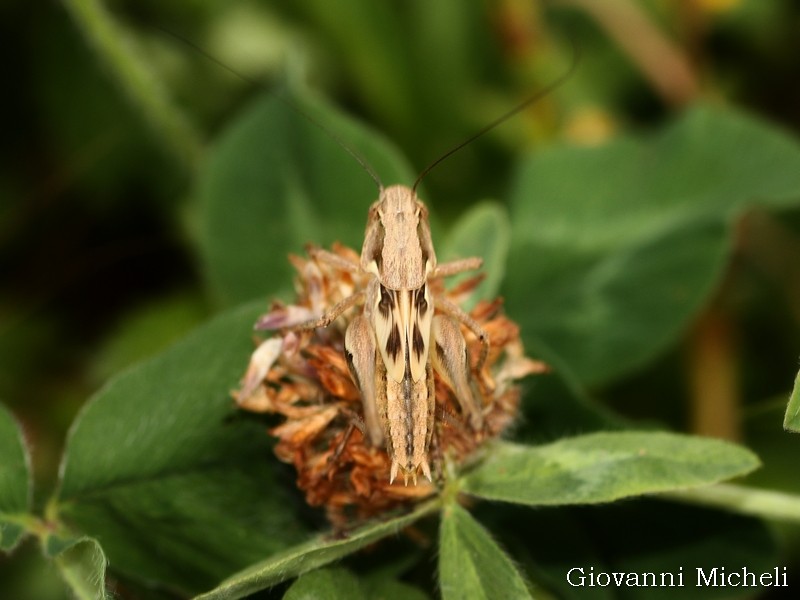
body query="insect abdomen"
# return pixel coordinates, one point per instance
(408, 423)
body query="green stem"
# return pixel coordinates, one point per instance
(742, 499)
(115, 46)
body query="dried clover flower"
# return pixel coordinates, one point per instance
(303, 376)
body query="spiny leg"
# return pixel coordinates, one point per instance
(337, 453)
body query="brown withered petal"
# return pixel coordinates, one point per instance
(303, 376)
(281, 317)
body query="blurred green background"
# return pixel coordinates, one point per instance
(99, 226)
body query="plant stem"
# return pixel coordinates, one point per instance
(712, 372)
(117, 49)
(742, 499)
(662, 61)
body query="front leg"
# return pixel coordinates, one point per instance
(333, 314)
(457, 266)
(334, 260)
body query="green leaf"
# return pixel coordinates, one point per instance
(615, 248)
(311, 555)
(337, 583)
(160, 469)
(326, 584)
(791, 422)
(276, 181)
(82, 564)
(485, 232)
(390, 589)
(471, 564)
(15, 482)
(603, 467)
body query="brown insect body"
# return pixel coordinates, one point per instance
(393, 347)
(398, 251)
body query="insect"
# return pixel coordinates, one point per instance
(395, 344)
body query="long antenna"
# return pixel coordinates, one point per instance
(339, 141)
(504, 117)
